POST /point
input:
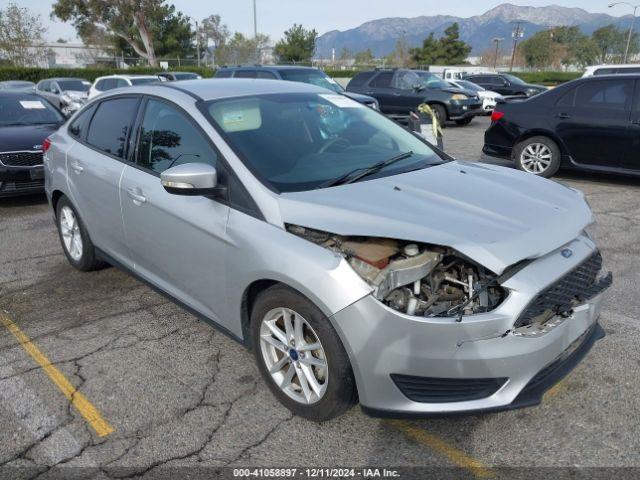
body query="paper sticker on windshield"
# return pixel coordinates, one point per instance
(341, 101)
(32, 105)
(230, 118)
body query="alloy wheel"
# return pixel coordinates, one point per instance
(294, 356)
(70, 231)
(536, 158)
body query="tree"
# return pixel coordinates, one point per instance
(212, 30)
(131, 20)
(240, 49)
(610, 42)
(400, 55)
(298, 45)
(540, 51)
(447, 50)
(20, 32)
(558, 47)
(365, 57)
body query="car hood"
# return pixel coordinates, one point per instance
(494, 215)
(358, 97)
(77, 93)
(27, 137)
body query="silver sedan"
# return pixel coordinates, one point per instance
(352, 258)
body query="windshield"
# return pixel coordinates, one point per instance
(299, 141)
(27, 110)
(469, 85)
(429, 80)
(143, 81)
(513, 79)
(311, 76)
(73, 85)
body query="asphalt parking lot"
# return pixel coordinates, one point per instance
(169, 391)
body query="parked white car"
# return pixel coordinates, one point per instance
(102, 84)
(596, 70)
(489, 98)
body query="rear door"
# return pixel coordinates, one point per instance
(593, 121)
(178, 243)
(94, 170)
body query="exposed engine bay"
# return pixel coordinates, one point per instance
(415, 279)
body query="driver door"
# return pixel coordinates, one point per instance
(178, 243)
(407, 96)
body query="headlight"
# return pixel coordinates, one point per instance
(416, 279)
(459, 97)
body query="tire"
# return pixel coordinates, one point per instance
(335, 380)
(441, 114)
(464, 121)
(538, 155)
(70, 233)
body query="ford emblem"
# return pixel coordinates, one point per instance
(566, 253)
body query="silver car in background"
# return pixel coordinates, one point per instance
(354, 260)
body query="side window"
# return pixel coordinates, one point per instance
(567, 99)
(223, 74)
(44, 86)
(479, 79)
(111, 123)
(54, 87)
(168, 138)
(496, 81)
(605, 71)
(121, 82)
(383, 80)
(246, 74)
(265, 74)
(106, 84)
(609, 94)
(79, 125)
(406, 80)
(360, 79)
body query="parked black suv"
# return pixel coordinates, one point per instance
(400, 91)
(294, 73)
(506, 84)
(588, 124)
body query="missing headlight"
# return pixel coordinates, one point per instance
(416, 279)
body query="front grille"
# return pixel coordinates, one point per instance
(20, 187)
(21, 159)
(444, 390)
(576, 286)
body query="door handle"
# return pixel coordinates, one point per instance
(563, 116)
(136, 197)
(76, 167)
(368, 93)
(635, 122)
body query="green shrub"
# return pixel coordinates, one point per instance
(37, 74)
(548, 78)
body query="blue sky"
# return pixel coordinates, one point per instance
(275, 16)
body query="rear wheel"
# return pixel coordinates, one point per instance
(300, 355)
(74, 238)
(538, 155)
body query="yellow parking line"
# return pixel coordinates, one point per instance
(456, 456)
(77, 399)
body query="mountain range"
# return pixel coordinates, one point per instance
(381, 35)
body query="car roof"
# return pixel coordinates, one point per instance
(127, 76)
(56, 79)
(218, 88)
(17, 82)
(13, 93)
(269, 67)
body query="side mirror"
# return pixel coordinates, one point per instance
(418, 87)
(192, 179)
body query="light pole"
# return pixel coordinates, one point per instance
(198, 43)
(495, 60)
(517, 34)
(633, 22)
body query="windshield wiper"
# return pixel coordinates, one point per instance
(359, 173)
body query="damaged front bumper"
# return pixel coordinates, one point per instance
(412, 366)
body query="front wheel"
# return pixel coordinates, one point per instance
(538, 155)
(300, 355)
(441, 114)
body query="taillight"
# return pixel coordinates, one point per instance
(46, 144)
(496, 115)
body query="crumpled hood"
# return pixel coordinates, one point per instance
(494, 215)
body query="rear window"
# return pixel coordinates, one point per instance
(223, 74)
(74, 85)
(111, 124)
(27, 110)
(246, 74)
(361, 78)
(185, 76)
